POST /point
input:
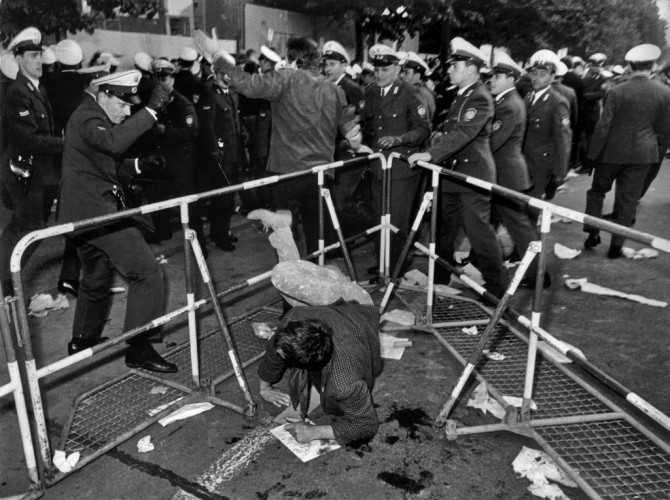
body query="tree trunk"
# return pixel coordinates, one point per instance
(445, 38)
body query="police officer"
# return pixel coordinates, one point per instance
(97, 134)
(465, 145)
(414, 72)
(508, 132)
(632, 134)
(223, 148)
(142, 62)
(567, 92)
(394, 120)
(548, 135)
(592, 103)
(335, 62)
(185, 82)
(174, 137)
(29, 168)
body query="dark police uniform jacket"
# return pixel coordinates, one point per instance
(634, 123)
(465, 143)
(570, 96)
(548, 136)
(28, 129)
(509, 130)
(177, 145)
(64, 90)
(592, 96)
(91, 155)
(220, 121)
(399, 113)
(353, 92)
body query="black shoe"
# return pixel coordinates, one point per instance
(614, 252)
(609, 216)
(225, 245)
(529, 282)
(71, 287)
(373, 269)
(144, 356)
(233, 239)
(79, 344)
(592, 241)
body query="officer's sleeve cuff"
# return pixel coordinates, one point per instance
(153, 113)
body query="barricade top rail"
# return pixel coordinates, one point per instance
(40, 234)
(611, 227)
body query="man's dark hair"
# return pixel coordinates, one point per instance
(304, 52)
(305, 344)
(567, 61)
(642, 66)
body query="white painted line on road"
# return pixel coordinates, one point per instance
(232, 462)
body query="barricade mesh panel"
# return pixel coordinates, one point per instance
(613, 457)
(214, 359)
(114, 410)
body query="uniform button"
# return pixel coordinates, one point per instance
(380, 128)
(394, 115)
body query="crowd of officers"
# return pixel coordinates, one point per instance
(206, 120)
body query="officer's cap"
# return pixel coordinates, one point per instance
(578, 60)
(333, 50)
(544, 59)
(412, 60)
(9, 66)
(617, 69)
(503, 63)
(93, 72)
(606, 74)
(598, 58)
(383, 55)
(68, 53)
(48, 56)
(462, 50)
(188, 54)
(561, 69)
(269, 54)
(162, 67)
(28, 40)
(142, 61)
(122, 85)
(367, 68)
(643, 53)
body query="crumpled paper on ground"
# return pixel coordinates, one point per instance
(42, 303)
(185, 412)
(482, 400)
(145, 445)
(643, 253)
(399, 316)
(387, 345)
(584, 285)
(414, 277)
(63, 463)
(539, 468)
(563, 252)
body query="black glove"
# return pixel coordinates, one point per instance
(151, 166)
(159, 98)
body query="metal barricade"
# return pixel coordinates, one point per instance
(178, 386)
(559, 433)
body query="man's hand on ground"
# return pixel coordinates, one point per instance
(277, 398)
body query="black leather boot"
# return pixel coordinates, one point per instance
(142, 355)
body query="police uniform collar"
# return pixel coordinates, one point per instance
(467, 89)
(339, 79)
(537, 95)
(502, 95)
(32, 83)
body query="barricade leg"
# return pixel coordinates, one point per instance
(325, 195)
(250, 410)
(431, 247)
(189, 235)
(495, 318)
(427, 197)
(19, 398)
